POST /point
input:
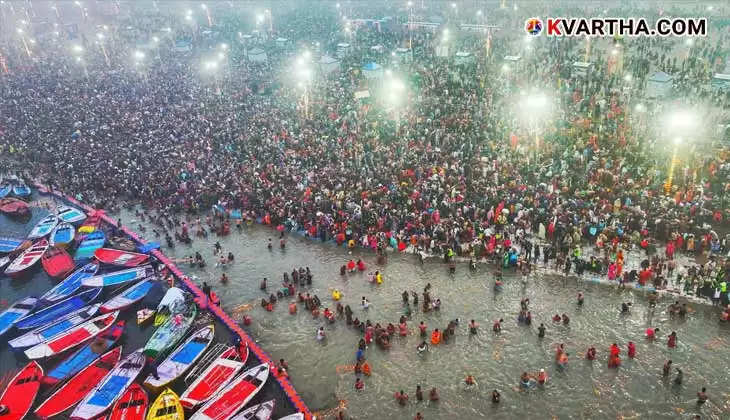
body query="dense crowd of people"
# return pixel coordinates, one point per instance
(457, 175)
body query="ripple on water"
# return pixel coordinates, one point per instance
(582, 390)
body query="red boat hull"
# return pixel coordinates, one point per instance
(57, 262)
(18, 397)
(120, 258)
(14, 207)
(132, 405)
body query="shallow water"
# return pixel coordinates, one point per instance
(581, 390)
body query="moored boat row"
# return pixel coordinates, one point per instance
(76, 326)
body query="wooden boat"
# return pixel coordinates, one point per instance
(121, 258)
(49, 331)
(63, 235)
(215, 377)
(72, 337)
(92, 223)
(15, 312)
(166, 407)
(144, 315)
(169, 333)
(27, 259)
(57, 310)
(5, 189)
(129, 297)
(43, 227)
(70, 284)
(89, 244)
(14, 207)
(122, 243)
(234, 396)
(181, 359)
(8, 245)
(69, 214)
(295, 416)
(77, 387)
(117, 278)
(174, 298)
(84, 356)
(57, 262)
(21, 391)
(261, 411)
(111, 388)
(132, 405)
(20, 189)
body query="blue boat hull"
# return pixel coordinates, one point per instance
(64, 307)
(21, 191)
(70, 285)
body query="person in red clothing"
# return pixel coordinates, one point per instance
(651, 333)
(401, 397)
(672, 341)
(614, 361)
(614, 351)
(632, 349)
(422, 327)
(359, 385)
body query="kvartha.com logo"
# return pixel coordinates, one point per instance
(559, 27)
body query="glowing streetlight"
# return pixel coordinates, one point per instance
(77, 49)
(640, 108)
(628, 78)
(81, 7)
(211, 65)
(207, 13)
(138, 55)
(100, 35)
(155, 39)
(224, 46)
(680, 122)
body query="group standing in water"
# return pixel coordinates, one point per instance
(383, 335)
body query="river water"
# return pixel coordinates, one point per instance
(581, 390)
